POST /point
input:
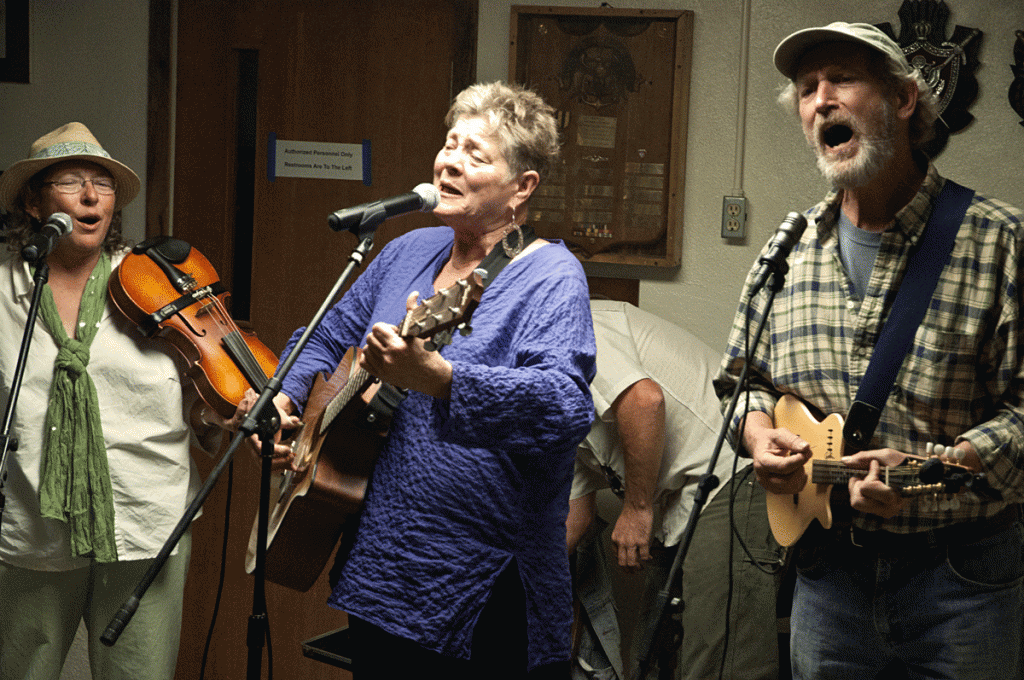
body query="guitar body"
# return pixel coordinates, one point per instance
(790, 514)
(312, 507)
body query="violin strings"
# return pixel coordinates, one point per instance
(236, 347)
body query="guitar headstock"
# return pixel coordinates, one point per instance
(450, 308)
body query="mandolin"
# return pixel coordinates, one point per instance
(790, 514)
(344, 425)
(167, 288)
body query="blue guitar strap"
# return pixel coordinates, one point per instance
(912, 301)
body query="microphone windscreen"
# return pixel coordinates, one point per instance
(430, 195)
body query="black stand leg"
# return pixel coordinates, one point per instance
(657, 630)
(9, 443)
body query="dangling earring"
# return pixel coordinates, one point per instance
(512, 250)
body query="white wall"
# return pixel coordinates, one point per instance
(779, 172)
(88, 63)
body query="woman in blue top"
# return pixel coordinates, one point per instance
(459, 563)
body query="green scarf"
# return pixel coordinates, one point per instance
(75, 485)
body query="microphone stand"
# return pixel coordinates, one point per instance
(9, 443)
(666, 610)
(263, 420)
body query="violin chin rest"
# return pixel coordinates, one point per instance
(174, 250)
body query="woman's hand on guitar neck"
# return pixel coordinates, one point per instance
(779, 455)
(405, 362)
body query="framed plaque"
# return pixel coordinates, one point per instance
(619, 81)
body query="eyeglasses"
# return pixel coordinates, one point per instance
(74, 185)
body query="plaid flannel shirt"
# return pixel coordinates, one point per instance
(963, 377)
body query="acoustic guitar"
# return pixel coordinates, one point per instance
(344, 426)
(790, 514)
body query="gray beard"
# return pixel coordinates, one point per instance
(876, 150)
(858, 171)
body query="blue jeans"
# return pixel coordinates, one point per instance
(940, 611)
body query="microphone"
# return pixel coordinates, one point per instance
(786, 236)
(41, 244)
(424, 197)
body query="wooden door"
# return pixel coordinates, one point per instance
(317, 71)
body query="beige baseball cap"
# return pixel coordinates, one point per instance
(789, 51)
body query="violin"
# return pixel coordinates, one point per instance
(168, 289)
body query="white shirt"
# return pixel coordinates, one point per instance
(144, 399)
(632, 345)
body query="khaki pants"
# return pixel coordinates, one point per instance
(40, 612)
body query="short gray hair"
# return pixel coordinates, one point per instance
(523, 123)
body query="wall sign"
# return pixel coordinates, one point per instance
(1016, 94)
(948, 65)
(318, 160)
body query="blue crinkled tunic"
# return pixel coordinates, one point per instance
(464, 486)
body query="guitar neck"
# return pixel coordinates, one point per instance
(357, 380)
(904, 479)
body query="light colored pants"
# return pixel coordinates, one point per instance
(40, 612)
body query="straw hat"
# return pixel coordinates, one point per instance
(68, 142)
(789, 51)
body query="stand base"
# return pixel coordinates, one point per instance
(332, 648)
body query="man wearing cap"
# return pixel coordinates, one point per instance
(927, 585)
(102, 471)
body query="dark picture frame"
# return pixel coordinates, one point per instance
(619, 81)
(14, 63)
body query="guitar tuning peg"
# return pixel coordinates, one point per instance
(465, 329)
(929, 449)
(954, 503)
(430, 345)
(939, 450)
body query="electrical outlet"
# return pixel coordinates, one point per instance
(734, 217)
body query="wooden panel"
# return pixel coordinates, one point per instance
(603, 288)
(619, 80)
(375, 72)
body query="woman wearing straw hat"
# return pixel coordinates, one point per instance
(102, 471)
